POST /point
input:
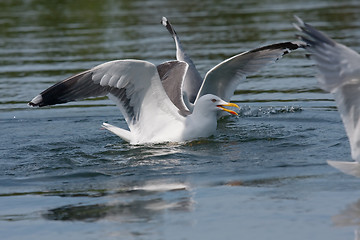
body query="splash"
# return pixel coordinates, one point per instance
(251, 111)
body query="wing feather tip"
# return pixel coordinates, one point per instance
(36, 101)
(164, 21)
(350, 168)
(311, 36)
(122, 133)
(300, 22)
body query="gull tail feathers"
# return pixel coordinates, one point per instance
(124, 134)
(351, 168)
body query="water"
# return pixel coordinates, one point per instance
(262, 176)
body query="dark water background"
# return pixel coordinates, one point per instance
(263, 176)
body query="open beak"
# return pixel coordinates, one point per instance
(228, 105)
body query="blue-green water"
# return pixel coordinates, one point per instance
(262, 176)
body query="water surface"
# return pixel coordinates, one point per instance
(262, 176)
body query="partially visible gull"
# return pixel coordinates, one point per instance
(339, 73)
(223, 79)
(135, 86)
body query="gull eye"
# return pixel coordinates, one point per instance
(213, 100)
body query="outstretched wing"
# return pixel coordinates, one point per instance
(133, 85)
(339, 73)
(193, 80)
(223, 79)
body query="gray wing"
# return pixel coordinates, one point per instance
(132, 84)
(223, 79)
(172, 75)
(193, 80)
(339, 73)
(74, 88)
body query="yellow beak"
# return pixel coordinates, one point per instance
(228, 105)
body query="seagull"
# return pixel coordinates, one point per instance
(136, 88)
(339, 73)
(168, 102)
(222, 79)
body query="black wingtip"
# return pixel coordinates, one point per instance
(165, 22)
(31, 104)
(285, 46)
(36, 101)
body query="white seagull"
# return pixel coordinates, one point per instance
(135, 86)
(222, 79)
(339, 73)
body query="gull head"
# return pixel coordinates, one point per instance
(203, 120)
(213, 103)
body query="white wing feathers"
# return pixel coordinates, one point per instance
(223, 79)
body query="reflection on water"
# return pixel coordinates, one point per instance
(140, 203)
(350, 216)
(118, 208)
